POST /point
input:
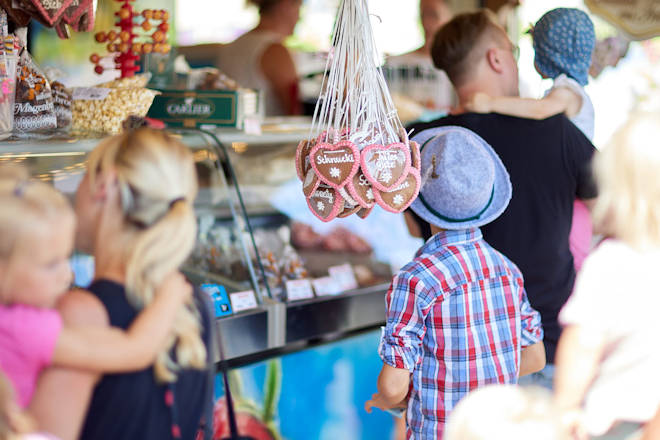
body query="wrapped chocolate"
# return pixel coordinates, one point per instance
(8, 61)
(34, 109)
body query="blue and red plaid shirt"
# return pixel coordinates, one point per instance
(457, 317)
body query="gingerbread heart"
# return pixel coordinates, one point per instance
(302, 158)
(51, 10)
(75, 10)
(401, 197)
(386, 167)
(335, 164)
(325, 203)
(349, 210)
(360, 190)
(311, 183)
(415, 156)
(364, 212)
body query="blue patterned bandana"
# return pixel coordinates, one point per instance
(564, 40)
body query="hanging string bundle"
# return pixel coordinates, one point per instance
(358, 153)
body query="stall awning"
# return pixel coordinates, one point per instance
(639, 19)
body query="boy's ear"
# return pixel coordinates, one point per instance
(494, 59)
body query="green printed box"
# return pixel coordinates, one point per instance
(195, 108)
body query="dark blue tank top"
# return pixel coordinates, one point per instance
(133, 406)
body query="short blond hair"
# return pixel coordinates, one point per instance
(158, 185)
(505, 412)
(626, 171)
(26, 204)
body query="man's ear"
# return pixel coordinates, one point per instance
(104, 183)
(494, 59)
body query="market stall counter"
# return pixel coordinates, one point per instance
(278, 283)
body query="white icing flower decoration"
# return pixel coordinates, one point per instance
(398, 200)
(320, 206)
(334, 172)
(370, 194)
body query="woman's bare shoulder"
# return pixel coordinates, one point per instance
(81, 307)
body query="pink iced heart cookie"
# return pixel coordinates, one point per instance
(415, 156)
(335, 164)
(401, 197)
(325, 203)
(364, 212)
(386, 167)
(51, 10)
(349, 210)
(302, 158)
(360, 190)
(311, 183)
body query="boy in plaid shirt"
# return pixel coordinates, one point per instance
(458, 317)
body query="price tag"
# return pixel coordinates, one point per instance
(218, 294)
(344, 276)
(243, 300)
(90, 93)
(299, 289)
(326, 286)
(252, 125)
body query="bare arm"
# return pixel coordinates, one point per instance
(652, 428)
(113, 350)
(532, 359)
(60, 402)
(279, 69)
(393, 386)
(559, 100)
(577, 363)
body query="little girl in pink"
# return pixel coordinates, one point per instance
(36, 239)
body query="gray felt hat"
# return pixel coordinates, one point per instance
(464, 183)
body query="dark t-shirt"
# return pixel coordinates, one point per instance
(132, 406)
(549, 162)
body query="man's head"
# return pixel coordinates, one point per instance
(477, 55)
(433, 14)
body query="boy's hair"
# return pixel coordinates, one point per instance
(505, 412)
(628, 204)
(26, 204)
(456, 46)
(158, 184)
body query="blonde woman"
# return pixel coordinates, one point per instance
(608, 356)
(135, 215)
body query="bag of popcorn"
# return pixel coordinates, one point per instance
(102, 110)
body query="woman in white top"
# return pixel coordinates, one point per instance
(608, 356)
(259, 60)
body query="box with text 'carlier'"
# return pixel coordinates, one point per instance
(205, 108)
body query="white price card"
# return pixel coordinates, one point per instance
(326, 286)
(344, 276)
(90, 93)
(299, 289)
(243, 300)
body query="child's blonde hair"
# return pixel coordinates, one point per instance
(26, 204)
(158, 184)
(505, 412)
(627, 170)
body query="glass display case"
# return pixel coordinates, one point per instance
(279, 278)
